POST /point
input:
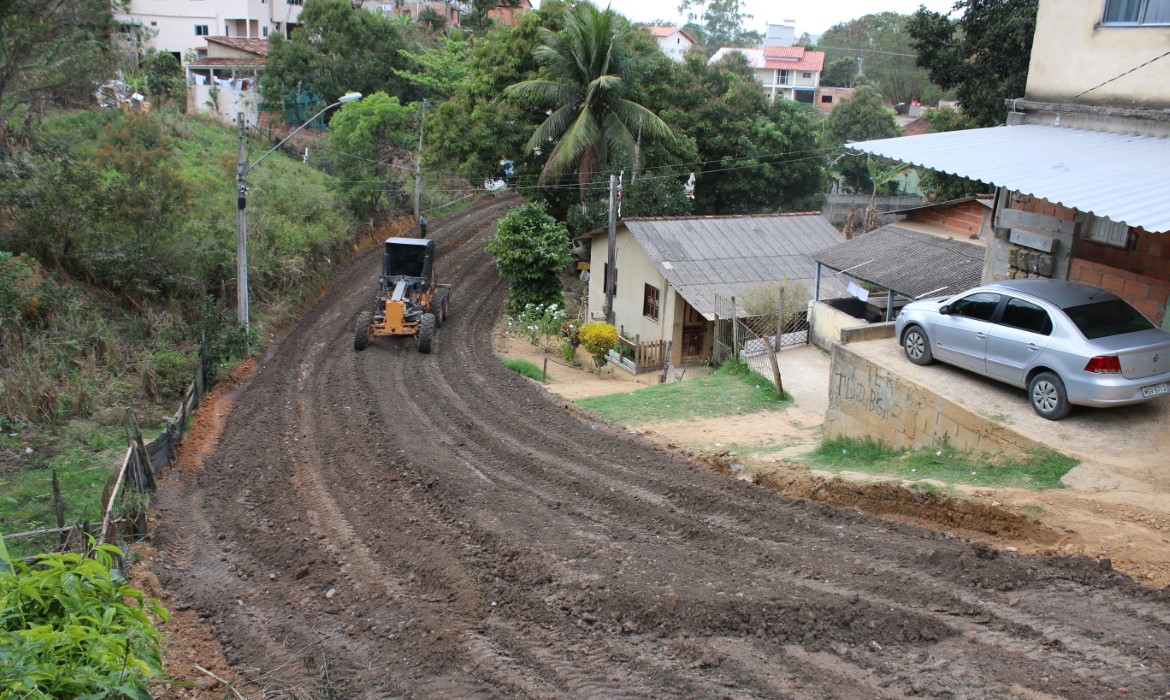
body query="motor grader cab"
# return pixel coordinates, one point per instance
(410, 302)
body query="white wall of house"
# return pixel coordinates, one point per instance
(1074, 50)
(675, 46)
(177, 24)
(226, 103)
(635, 270)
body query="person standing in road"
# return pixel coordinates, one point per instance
(422, 225)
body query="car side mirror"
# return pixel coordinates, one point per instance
(945, 309)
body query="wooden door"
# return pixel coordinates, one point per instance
(693, 332)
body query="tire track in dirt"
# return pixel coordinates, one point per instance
(483, 541)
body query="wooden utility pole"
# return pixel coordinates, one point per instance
(418, 161)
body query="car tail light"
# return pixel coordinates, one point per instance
(1104, 364)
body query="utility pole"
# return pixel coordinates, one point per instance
(418, 161)
(241, 225)
(611, 266)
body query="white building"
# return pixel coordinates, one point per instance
(224, 81)
(673, 41)
(785, 72)
(782, 34)
(181, 26)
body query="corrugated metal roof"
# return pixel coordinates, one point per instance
(705, 256)
(1122, 177)
(912, 264)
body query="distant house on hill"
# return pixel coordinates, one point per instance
(224, 81)
(788, 73)
(673, 41)
(509, 14)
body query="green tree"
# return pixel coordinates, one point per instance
(944, 186)
(862, 117)
(587, 66)
(367, 136)
(53, 52)
(441, 70)
(983, 55)
(754, 157)
(432, 20)
(477, 127)
(336, 48)
(719, 22)
(531, 249)
(840, 72)
(880, 44)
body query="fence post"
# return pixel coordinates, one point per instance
(734, 331)
(59, 508)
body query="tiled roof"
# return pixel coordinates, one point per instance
(216, 62)
(911, 263)
(256, 46)
(662, 31)
(727, 255)
(790, 52)
(805, 61)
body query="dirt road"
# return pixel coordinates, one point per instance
(394, 524)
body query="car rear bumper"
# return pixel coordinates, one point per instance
(1105, 390)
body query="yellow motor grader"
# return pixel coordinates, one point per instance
(410, 302)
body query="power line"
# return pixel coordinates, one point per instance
(1117, 77)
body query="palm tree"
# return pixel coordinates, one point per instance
(587, 66)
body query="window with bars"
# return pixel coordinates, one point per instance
(200, 30)
(1136, 12)
(650, 302)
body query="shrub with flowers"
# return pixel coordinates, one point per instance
(598, 339)
(541, 324)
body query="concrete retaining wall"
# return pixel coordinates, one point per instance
(867, 400)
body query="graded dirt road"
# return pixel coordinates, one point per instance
(390, 524)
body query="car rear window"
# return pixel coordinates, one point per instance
(1106, 318)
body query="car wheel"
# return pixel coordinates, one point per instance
(1048, 397)
(917, 346)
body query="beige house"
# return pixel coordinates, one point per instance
(669, 270)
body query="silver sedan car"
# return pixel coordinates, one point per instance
(1065, 343)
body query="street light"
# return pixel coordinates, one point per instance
(242, 170)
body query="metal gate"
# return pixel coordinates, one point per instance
(756, 339)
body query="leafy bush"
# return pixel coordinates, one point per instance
(598, 339)
(71, 627)
(542, 325)
(169, 374)
(531, 248)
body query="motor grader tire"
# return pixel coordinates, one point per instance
(361, 331)
(440, 309)
(426, 333)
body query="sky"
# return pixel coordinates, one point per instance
(813, 16)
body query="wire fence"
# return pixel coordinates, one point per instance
(125, 496)
(757, 338)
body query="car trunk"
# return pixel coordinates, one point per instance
(1141, 354)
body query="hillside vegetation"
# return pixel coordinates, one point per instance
(117, 256)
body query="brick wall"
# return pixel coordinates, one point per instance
(965, 219)
(1147, 294)
(1043, 207)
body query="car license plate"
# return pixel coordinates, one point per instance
(1154, 389)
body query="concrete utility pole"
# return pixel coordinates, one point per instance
(611, 266)
(242, 170)
(418, 161)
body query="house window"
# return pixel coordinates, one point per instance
(1111, 233)
(807, 75)
(200, 30)
(782, 77)
(1136, 12)
(265, 32)
(827, 99)
(650, 302)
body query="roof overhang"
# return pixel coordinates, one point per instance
(1123, 177)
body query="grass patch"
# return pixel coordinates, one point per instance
(84, 457)
(733, 389)
(524, 367)
(1040, 469)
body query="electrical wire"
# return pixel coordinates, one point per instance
(1117, 77)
